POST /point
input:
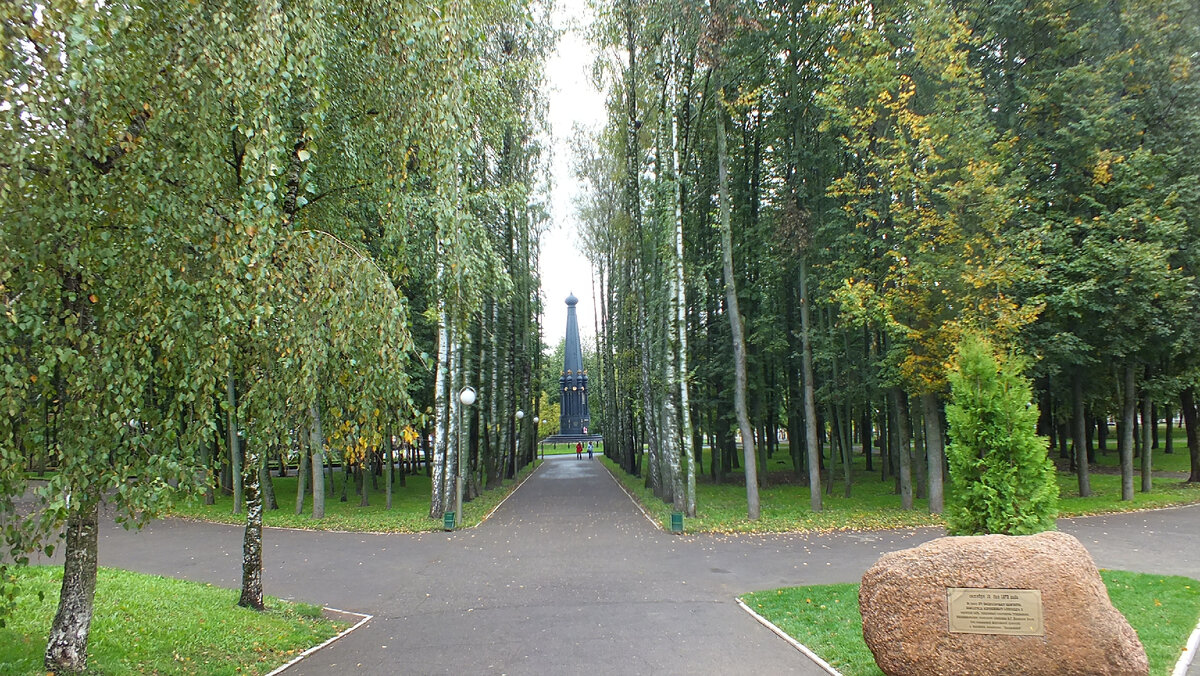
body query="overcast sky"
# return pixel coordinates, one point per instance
(573, 101)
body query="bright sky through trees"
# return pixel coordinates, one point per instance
(573, 101)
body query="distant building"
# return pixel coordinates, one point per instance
(574, 419)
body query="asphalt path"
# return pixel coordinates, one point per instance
(568, 576)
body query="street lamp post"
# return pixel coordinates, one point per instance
(536, 432)
(466, 397)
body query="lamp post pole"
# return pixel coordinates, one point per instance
(536, 432)
(466, 397)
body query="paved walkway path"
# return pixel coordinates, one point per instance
(569, 577)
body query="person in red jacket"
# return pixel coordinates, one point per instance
(578, 450)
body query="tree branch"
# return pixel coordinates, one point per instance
(335, 191)
(118, 149)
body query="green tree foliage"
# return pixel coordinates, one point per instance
(1023, 170)
(245, 193)
(1001, 480)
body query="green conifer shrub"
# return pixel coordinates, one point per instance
(1001, 477)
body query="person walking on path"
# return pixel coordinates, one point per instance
(589, 450)
(578, 450)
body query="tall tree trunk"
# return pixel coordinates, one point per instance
(66, 648)
(812, 450)
(437, 463)
(316, 446)
(689, 450)
(902, 437)
(795, 408)
(654, 479)
(868, 435)
(364, 470)
(1128, 412)
(210, 454)
(252, 591)
(266, 486)
(671, 438)
(235, 450)
(1187, 401)
(849, 413)
(495, 443)
(1080, 430)
(932, 410)
(1169, 442)
(452, 498)
(917, 462)
(302, 472)
(389, 467)
(735, 322)
(1147, 440)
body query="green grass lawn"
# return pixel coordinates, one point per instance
(1160, 460)
(566, 449)
(873, 503)
(1163, 609)
(144, 624)
(409, 512)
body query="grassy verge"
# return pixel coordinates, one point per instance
(721, 508)
(1178, 461)
(1106, 495)
(1163, 609)
(145, 624)
(409, 512)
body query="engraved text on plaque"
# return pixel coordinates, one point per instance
(1013, 612)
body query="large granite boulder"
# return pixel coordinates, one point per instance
(906, 617)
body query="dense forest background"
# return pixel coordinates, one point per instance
(797, 209)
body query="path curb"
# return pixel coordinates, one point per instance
(363, 619)
(632, 498)
(829, 669)
(1189, 653)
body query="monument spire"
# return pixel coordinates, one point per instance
(574, 417)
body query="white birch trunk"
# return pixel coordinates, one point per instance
(452, 497)
(437, 463)
(252, 590)
(460, 450)
(497, 471)
(679, 301)
(66, 646)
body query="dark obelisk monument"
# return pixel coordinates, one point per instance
(574, 417)
(574, 422)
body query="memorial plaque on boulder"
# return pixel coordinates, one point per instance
(1016, 612)
(995, 604)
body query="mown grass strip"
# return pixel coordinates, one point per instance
(1163, 609)
(409, 512)
(145, 624)
(873, 505)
